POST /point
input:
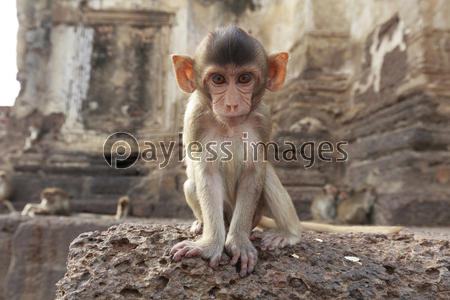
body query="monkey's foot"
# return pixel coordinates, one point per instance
(197, 227)
(271, 239)
(207, 250)
(242, 248)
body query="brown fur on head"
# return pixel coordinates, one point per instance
(230, 53)
(330, 189)
(50, 193)
(230, 46)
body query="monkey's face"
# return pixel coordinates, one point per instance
(331, 190)
(342, 195)
(231, 90)
(230, 72)
(48, 198)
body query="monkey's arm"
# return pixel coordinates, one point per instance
(238, 244)
(210, 193)
(32, 209)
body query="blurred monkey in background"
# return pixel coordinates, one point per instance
(227, 78)
(54, 201)
(6, 190)
(323, 207)
(32, 140)
(356, 208)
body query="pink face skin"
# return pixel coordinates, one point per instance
(231, 90)
(330, 189)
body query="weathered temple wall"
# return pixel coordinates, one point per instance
(373, 73)
(397, 121)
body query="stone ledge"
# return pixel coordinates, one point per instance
(131, 261)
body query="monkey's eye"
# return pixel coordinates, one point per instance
(218, 79)
(244, 78)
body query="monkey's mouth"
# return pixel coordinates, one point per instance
(233, 121)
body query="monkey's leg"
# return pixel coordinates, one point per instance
(35, 209)
(42, 210)
(238, 244)
(30, 209)
(210, 193)
(279, 203)
(26, 210)
(192, 200)
(9, 205)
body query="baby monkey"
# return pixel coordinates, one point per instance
(227, 78)
(323, 207)
(6, 190)
(54, 201)
(357, 207)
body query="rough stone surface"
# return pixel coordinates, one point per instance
(34, 253)
(8, 226)
(5, 112)
(131, 261)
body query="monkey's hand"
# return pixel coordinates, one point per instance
(207, 249)
(274, 238)
(241, 248)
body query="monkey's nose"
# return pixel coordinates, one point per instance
(232, 106)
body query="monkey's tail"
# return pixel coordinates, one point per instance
(346, 229)
(9, 205)
(268, 223)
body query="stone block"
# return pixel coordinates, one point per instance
(132, 261)
(37, 249)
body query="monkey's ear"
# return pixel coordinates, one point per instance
(277, 71)
(184, 70)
